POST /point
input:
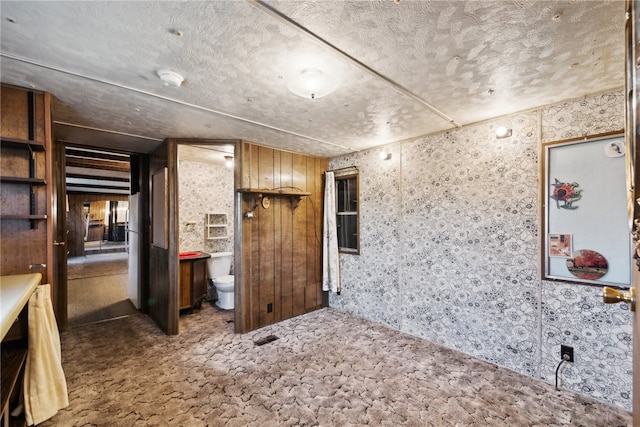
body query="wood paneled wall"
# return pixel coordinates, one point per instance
(279, 265)
(75, 218)
(26, 242)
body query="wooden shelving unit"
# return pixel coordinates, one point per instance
(26, 166)
(216, 226)
(31, 181)
(259, 193)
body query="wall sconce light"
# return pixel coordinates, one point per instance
(312, 83)
(503, 132)
(228, 161)
(385, 155)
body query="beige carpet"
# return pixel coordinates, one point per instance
(325, 369)
(97, 288)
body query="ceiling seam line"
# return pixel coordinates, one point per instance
(106, 131)
(165, 98)
(259, 4)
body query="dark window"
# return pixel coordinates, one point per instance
(347, 214)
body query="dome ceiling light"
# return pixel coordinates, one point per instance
(312, 83)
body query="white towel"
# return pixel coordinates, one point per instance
(330, 256)
(45, 387)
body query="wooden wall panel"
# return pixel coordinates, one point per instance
(281, 256)
(277, 207)
(299, 174)
(311, 292)
(14, 120)
(163, 264)
(253, 296)
(75, 217)
(286, 243)
(25, 242)
(75, 226)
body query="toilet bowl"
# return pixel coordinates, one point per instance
(218, 268)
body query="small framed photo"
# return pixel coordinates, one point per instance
(560, 245)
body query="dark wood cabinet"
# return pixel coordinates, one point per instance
(193, 281)
(16, 291)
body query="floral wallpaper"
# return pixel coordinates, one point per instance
(204, 188)
(450, 251)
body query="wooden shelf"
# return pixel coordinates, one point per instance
(276, 192)
(259, 193)
(21, 143)
(216, 226)
(34, 217)
(22, 180)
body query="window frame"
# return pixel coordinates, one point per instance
(346, 177)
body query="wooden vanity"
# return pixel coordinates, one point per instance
(193, 279)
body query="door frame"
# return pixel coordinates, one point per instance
(174, 213)
(59, 233)
(59, 229)
(632, 121)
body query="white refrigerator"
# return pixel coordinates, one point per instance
(133, 238)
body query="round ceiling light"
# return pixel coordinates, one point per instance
(170, 78)
(312, 83)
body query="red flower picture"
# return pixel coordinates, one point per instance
(565, 194)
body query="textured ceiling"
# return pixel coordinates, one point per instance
(405, 69)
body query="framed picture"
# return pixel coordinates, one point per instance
(586, 236)
(560, 245)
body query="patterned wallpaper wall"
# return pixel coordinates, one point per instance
(450, 251)
(204, 188)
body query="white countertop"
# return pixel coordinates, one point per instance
(15, 291)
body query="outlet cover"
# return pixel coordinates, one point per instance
(568, 351)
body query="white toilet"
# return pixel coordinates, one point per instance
(218, 269)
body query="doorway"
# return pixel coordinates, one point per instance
(98, 191)
(205, 209)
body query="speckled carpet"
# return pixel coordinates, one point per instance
(97, 288)
(325, 369)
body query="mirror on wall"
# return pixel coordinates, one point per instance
(586, 233)
(105, 225)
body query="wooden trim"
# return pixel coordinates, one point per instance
(31, 115)
(585, 137)
(173, 236)
(48, 144)
(275, 191)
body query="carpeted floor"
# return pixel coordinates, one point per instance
(325, 369)
(97, 288)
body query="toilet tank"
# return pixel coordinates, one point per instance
(219, 264)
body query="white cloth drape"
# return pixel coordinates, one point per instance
(330, 257)
(45, 387)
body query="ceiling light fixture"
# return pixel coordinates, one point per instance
(170, 78)
(385, 155)
(503, 132)
(312, 83)
(228, 161)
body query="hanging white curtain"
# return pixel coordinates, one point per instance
(45, 387)
(330, 258)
